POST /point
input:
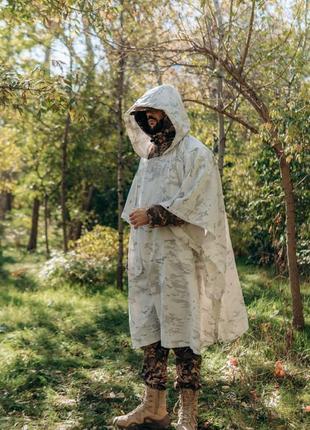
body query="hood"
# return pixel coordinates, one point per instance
(163, 97)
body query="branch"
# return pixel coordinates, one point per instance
(228, 114)
(247, 45)
(238, 81)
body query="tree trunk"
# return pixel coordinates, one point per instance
(120, 206)
(238, 82)
(6, 199)
(219, 94)
(291, 242)
(32, 244)
(158, 72)
(9, 201)
(77, 224)
(47, 250)
(64, 162)
(221, 127)
(2, 205)
(120, 168)
(90, 51)
(64, 170)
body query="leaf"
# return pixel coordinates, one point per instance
(289, 158)
(113, 396)
(279, 370)
(254, 395)
(233, 362)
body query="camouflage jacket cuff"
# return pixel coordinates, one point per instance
(159, 217)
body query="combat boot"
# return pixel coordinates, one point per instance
(188, 409)
(152, 412)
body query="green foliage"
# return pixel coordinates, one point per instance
(91, 261)
(258, 214)
(72, 71)
(254, 194)
(100, 243)
(293, 126)
(268, 209)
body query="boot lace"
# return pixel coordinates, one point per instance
(187, 413)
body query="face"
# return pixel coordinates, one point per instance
(153, 116)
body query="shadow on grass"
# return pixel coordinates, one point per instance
(61, 360)
(10, 287)
(235, 407)
(4, 259)
(49, 356)
(255, 290)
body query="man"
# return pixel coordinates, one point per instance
(184, 292)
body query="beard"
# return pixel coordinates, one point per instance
(158, 127)
(163, 125)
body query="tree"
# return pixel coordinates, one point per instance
(240, 78)
(256, 36)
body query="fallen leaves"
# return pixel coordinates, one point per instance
(231, 369)
(254, 396)
(233, 362)
(113, 396)
(273, 400)
(279, 370)
(66, 401)
(19, 273)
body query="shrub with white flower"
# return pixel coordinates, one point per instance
(57, 262)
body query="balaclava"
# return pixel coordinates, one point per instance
(161, 135)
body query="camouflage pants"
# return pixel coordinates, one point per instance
(154, 369)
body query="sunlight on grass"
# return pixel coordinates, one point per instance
(67, 360)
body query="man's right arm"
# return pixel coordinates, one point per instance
(161, 217)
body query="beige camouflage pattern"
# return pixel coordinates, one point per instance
(183, 283)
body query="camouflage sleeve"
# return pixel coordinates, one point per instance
(160, 217)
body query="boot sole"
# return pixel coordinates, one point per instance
(148, 424)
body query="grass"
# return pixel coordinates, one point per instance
(67, 362)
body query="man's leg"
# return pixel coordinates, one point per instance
(188, 383)
(154, 369)
(188, 366)
(153, 409)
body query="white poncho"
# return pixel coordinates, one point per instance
(183, 286)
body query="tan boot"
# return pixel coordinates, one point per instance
(188, 409)
(152, 411)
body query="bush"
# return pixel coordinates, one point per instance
(303, 255)
(92, 259)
